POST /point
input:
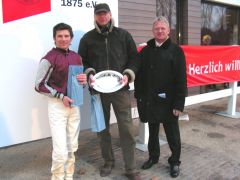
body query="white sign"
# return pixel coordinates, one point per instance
(25, 39)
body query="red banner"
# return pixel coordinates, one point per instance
(212, 64)
(17, 9)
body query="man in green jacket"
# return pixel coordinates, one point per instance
(107, 47)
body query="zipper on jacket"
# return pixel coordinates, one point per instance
(106, 43)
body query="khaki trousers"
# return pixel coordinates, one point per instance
(65, 125)
(121, 104)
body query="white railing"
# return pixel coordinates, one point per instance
(231, 111)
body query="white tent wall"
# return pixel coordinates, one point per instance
(23, 112)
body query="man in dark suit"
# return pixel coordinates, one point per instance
(160, 90)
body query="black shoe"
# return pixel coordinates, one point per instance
(174, 170)
(106, 170)
(148, 164)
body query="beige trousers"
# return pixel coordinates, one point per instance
(65, 126)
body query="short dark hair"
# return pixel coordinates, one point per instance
(62, 26)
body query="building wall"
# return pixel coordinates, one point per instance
(192, 22)
(191, 29)
(137, 17)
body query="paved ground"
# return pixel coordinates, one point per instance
(210, 151)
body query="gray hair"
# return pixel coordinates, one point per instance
(161, 19)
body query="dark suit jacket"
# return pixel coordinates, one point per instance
(160, 84)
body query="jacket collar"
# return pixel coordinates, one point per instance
(110, 28)
(151, 43)
(62, 50)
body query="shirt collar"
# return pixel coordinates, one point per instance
(158, 44)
